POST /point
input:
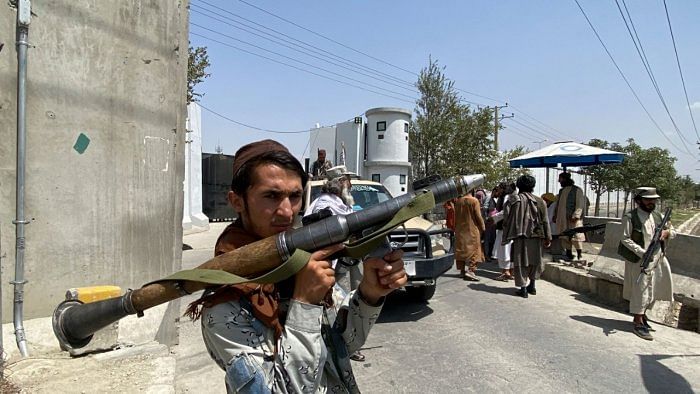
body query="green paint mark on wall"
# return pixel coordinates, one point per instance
(81, 143)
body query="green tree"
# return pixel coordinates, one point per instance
(437, 114)
(647, 167)
(197, 64)
(684, 190)
(604, 177)
(501, 171)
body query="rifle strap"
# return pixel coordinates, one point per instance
(218, 277)
(360, 248)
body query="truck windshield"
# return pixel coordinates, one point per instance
(364, 195)
(367, 195)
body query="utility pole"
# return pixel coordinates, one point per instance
(495, 123)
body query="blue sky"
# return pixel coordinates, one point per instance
(539, 56)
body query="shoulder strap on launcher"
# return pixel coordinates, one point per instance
(357, 249)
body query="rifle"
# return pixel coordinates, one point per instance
(74, 323)
(654, 245)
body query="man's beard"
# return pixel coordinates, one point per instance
(648, 207)
(347, 198)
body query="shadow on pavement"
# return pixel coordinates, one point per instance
(399, 307)
(659, 378)
(609, 326)
(510, 291)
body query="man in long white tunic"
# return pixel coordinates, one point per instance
(569, 214)
(638, 228)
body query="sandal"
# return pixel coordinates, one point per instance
(502, 278)
(357, 356)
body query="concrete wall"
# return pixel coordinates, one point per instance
(115, 72)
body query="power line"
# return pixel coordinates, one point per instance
(250, 126)
(293, 41)
(533, 129)
(358, 51)
(680, 71)
(520, 132)
(625, 78)
(306, 53)
(301, 62)
(647, 66)
(532, 125)
(316, 49)
(295, 67)
(540, 122)
(516, 131)
(327, 38)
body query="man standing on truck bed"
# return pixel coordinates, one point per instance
(321, 165)
(469, 226)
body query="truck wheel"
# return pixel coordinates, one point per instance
(421, 293)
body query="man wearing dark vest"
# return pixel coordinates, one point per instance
(637, 230)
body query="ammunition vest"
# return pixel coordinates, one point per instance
(637, 234)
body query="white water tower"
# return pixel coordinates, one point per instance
(387, 148)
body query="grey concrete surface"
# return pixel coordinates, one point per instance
(113, 213)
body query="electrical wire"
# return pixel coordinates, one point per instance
(680, 71)
(347, 61)
(291, 40)
(299, 48)
(541, 133)
(627, 81)
(327, 38)
(555, 130)
(358, 51)
(647, 66)
(303, 62)
(302, 69)
(250, 126)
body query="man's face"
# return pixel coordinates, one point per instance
(271, 202)
(322, 155)
(561, 181)
(648, 204)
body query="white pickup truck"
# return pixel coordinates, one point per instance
(428, 248)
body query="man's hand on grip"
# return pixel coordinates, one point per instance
(317, 277)
(382, 275)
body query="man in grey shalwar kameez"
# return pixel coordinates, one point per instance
(525, 222)
(638, 227)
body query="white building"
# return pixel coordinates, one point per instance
(193, 219)
(375, 148)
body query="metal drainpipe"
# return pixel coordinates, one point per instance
(23, 19)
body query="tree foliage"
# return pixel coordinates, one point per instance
(450, 138)
(197, 64)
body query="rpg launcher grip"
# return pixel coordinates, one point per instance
(74, 323)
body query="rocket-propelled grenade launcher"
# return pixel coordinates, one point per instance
(74, 323)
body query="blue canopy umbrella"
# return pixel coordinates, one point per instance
(567, 154)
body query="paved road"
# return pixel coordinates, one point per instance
(478, 337)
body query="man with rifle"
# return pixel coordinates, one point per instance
(647, 272)
(293, 336)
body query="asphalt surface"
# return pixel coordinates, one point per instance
(479, 337)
